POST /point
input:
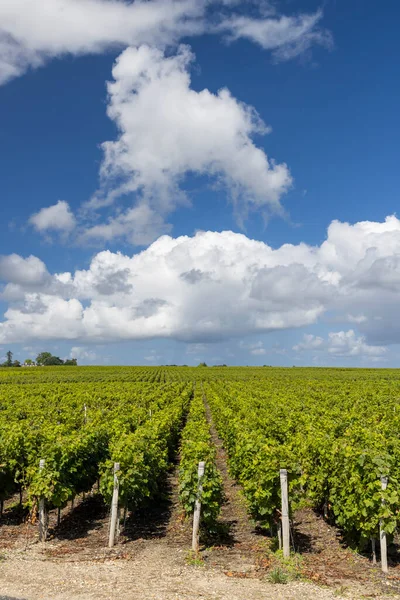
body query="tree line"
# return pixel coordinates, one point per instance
(44, 359)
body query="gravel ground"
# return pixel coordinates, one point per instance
(155, 573)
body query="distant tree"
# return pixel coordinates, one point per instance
(202, 364)
(16, 363)
(9, 361)
(53, 361)
(71, 362)
(42, 357)
(46, 359)
(29, 362)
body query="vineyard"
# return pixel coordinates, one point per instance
(334, 431)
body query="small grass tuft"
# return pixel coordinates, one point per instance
(195, 560)
(278, 575)
(340, 591)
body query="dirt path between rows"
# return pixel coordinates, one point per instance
(241, 548)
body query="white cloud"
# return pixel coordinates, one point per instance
(180, 288)
(215, 286)
(341, 344)
(22, 271)
(42, 317)
(346, 343)
(168, 130)
(139, 225)
(310, 342)
(356, 318)
(288, 37)
(258, 351)
(82, 353)
(54, 218)
(34, 31)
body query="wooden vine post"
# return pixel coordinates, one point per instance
(285, 513)
(382, 533)
(114, 508)
(373, 545)
(197, 509)
(42, 511)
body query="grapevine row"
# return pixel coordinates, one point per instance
(196, 446)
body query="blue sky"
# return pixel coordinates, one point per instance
(184, 159)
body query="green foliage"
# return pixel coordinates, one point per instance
(42, 357)
(80, 429)
(335, 441)
(9, 361)
(196, 446)
(278, 575)
(46, 359)
(144, 455)
(53, 361)
(194, 560)
(71, 465)
(335, 430)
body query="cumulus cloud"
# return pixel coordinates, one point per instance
(82, 353)
(341, 344)
(34, 31)
(215, 286)
(139, 225)
(58, 217)
(22, 271)
(146, 296)
(310, 342)
(288, 37)
(167, 130)
(346, 343)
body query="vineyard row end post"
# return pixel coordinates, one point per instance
(285, 513)
(42, 511)
(114, 508)
(197, 509)
(382, 533)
